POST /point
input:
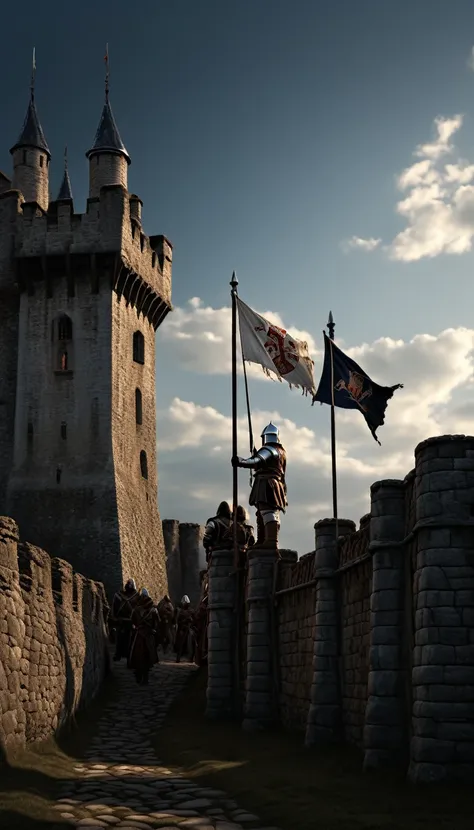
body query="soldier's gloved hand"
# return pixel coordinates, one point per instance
(236, 461)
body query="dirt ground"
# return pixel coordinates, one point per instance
(271, 775)
(288, 786)
(29, 780)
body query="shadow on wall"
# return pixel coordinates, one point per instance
(53, 641)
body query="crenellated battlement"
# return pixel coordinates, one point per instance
(53, 640)
(58, 242)
(81, 297)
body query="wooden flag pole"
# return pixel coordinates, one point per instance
(235, 500)
(331, 326)
(235, 487)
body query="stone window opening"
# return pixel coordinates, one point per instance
(64, 328)
(24, 156)
(153, 259)
(138, 407)
(61, 331)
(143, 464)
(63, 430)
(41, 161)
(138, 347)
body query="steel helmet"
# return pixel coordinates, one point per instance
(270, 434)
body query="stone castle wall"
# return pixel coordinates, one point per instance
(184, 554)
(53, 643)
(57, 434)
(355, 589)
(370, 638)
(296, 630)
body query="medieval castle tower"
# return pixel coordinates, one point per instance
(81, 297)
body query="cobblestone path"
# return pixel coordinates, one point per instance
(122, 784)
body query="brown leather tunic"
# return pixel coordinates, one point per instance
(269, 486)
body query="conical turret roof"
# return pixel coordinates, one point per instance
(107, 138)
(65, 191)
(32, 132)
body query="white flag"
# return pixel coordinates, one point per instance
(275, 350)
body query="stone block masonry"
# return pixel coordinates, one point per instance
(53, 643)
(369, 639)
(443, 656)
(296, 614)
(184, 554)
(221, 686)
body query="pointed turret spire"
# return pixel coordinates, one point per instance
(65, 191)
(107, 138)
(32, 133)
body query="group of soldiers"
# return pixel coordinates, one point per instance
(268, 496)
(140, 627)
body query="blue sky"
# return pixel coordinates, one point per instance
(263, 134)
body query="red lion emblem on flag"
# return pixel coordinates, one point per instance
(282, 349)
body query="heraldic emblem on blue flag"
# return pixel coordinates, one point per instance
(343, 383)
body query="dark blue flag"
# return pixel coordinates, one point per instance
(344, 384)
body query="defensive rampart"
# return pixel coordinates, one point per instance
(53, 643)
(369, 639)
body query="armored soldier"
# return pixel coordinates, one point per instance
(218, 531)
(143, 654)
(268, 493)
(248, 532)
(121, 617)
(184, 628)
(165, 629)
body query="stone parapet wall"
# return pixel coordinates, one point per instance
(105, 227)
(371, 636)
(355, 593)
(53, 641)
(296, 614)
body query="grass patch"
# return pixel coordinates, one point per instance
(30, 778)
(286, 785)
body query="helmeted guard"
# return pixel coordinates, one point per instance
(268, 493)
(165, 629)
(218, 530)
(184, 628)
(120, 617)
(248, 534)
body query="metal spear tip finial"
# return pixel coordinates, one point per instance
(234, 281)
(331, 326)
(33, 73)
(106, 61)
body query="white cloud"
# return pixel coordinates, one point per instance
(359, 244)
(438, 202)
(445, 129)
(194, 440)
(439, 206)
(199, 337)
(459, 173)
